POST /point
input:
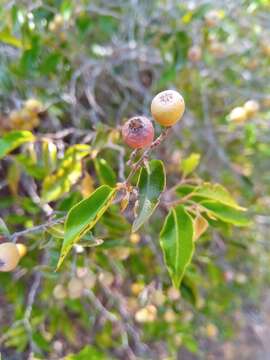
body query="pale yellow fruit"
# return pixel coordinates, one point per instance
(173, 294)
(135, 238)
(158, 298)
(251, 107)
(169, 316)
(168, 107)
(146, 314)
(22, 249)
(241, 278)
(212, 18)
(136, 288)
(33, 105)
(9, 256)
(266, 48)
(59, 292)
(211, 330)
(58, 20)
(106, 278)
(75, 288)
(89, 280)
(238, 115)
(195, 53)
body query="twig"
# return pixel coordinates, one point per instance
(144, 156)
(37, 228)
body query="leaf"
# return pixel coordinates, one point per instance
(226, 213)
(83, 216)
(200, 226)
(7, 38)
(87, 185)
(216, 192)
(88, 352)
(67, 174)
(176, 240)
(151, 183)
(14, 139)
(4, 229)
(189, 164)
(105, 172)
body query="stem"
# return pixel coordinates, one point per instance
(36, 228)
(139, 163)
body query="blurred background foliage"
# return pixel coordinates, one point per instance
(90, 65)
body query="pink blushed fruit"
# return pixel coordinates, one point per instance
(138, 132)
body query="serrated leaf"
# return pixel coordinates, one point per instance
(105, 172)
(189, 164)
(217, 193)
(226, 213)
(68, 173)
(14, 139)
(176, 240)
(83, 216)
(151, 183)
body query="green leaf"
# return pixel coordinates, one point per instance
(83, 216)
(151, 183)
(176, 240)
(3, 228)
(14, 139)
(89, 352)
(7, 38)
(226, 213)
(217, 193)
(189, 164)
(67, 174)
(105, 172)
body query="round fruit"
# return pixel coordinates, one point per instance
(251, 107)
(167, 107)
(9, 256)
(33, 105)
(138, 132)
(195, 53)
(238, 114)
(212, 18)
(22, 249)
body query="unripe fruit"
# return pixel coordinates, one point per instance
(251, 107)
(211, 330)
(22, 249)
(212, 18)
(238, 114)
(9, 256)
(169, 316)
(59, 292)
(135, 238)
(138, 132)
(33, 105)
(173, 294)
(137, 288)
(195, 53)
(75, 288)
(167, 107)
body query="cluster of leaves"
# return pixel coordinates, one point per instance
(64, 192)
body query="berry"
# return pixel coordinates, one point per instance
(212, 18)
(138, 132)
(167, 107)
(251, 107)
(9, 256)
(33, 106)
(195, 54)
(22, 250)
(238, 115)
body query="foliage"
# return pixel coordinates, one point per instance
(132, 254)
